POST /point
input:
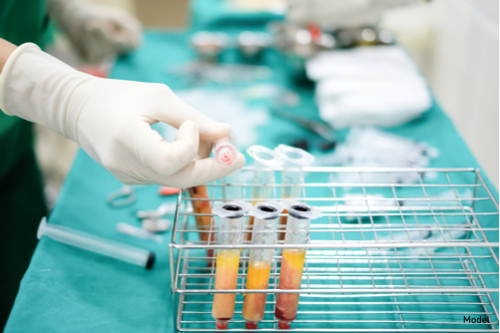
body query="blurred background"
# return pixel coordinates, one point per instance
(453, 42)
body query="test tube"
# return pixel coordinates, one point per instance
(230, 191)
(225, 151)
(231, 217)
(292, 262)
(259, 266)
(294, 159)
(96, 244)
(266, 160)
(203, 223)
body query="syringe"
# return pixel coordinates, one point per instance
(266, 160)
(292, 262)
(292, 177)
(96, 244)
(204, 220)
(259, 266)
(231, 218)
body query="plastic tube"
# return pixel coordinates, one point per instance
(266, 161)
(225, 153)
(259, 266)
(203, 223)
(230, 191)
(231, 218)
(292, 263)
(294, 160)
(224, 150)
(96, 244)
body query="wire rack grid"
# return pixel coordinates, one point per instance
(387, 256)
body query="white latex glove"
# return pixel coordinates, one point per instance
(97, 32)
(111, 120)
(341, 13)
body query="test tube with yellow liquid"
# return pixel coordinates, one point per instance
(259, 266)
(292, 176)
(231, 219)
(266, 161)
(292, 262)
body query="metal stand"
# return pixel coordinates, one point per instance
(401, 257)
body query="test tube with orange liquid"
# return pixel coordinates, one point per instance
(225, 153)
(292, 262)
(266, 161)
(259, 265)
(203, 222)
(231, 219)
(292, 176)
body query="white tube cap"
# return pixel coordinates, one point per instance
(232, 209)
(266, 210)
(294, 155)
(301, 210)
(264, 156)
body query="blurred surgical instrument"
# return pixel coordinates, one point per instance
(322, 129)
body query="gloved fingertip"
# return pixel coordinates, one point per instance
(189, 125)
(239, 162)
(188, 131)
(220, 129)
(223, 127)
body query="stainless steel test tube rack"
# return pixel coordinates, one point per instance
(370, 266)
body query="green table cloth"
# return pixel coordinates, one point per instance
(70, 290)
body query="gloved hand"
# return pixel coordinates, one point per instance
(111, 120)
(96, 31)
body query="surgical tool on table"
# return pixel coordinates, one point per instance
(320, 128)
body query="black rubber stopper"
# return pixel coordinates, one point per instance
(151, 260)
(232, 208)
(267, 209)
(298, 208)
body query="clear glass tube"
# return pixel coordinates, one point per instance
(292, 176)
(231, 219)
(266, 161)
(96, 244)
(292, 262)
(259, 266)
(203, 223)
(230, 191)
